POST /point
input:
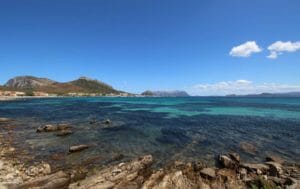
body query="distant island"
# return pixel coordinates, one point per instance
(175, 93)
(287, 94)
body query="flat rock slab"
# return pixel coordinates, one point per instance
(5, 120)
(57, 180)
(78, 148)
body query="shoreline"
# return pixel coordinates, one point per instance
(138, 173)
(230, 172)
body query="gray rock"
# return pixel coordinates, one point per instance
(78, 148)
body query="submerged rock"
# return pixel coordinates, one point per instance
(248, 147)
(64, 133)
(53, 128)
(78, 148)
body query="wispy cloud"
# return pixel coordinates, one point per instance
(240, 87)
(280, 47)
(245, 49)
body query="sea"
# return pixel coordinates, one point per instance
(186, 129)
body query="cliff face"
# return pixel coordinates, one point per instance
(81, 85)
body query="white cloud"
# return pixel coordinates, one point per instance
(273, 55)
(279, 47)
(245, 49)
(240, 87)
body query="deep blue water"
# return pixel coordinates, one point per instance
(197, 128)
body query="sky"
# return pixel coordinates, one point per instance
(207, 47)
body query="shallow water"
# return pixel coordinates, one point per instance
(196, 128)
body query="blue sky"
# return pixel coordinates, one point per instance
(136, 45)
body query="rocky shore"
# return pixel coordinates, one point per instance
(229, 171)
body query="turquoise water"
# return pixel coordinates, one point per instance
(195, 128)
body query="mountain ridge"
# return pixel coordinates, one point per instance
(80, 85)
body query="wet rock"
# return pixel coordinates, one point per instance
(234, 156)
(50, 128)
(107, 122)
(40, 129)
(275, 168)
(247, 147)
(209, 173)
(78, 148)
(227, 162)
(64, 133)
(5, 120)
(93, 122)
(63, 126)
(53, 128)
(274, 159)
(53, 181)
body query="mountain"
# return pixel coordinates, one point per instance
(165, 93)
(92, 85)
(81, 85)
(28, 82)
